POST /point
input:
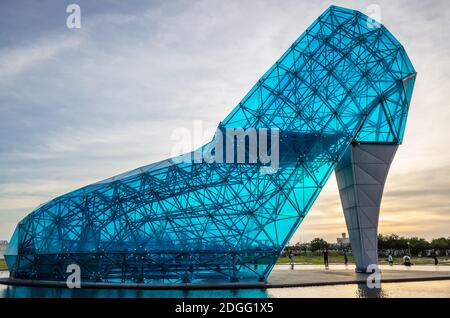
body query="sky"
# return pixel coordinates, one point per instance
(81, 105)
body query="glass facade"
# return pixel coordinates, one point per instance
(177, 221)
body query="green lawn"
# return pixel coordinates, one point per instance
(339, 259)
(316, 259)
(333, 259)
(3, 265)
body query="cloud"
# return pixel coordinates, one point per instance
(415, 203)
(15, 61)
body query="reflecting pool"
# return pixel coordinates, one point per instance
(435, 289)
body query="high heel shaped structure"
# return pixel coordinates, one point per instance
(337, 99)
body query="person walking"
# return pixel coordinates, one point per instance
(291, 259)
(345, 258)
(390, 259)
(325, 258)
(436, 261)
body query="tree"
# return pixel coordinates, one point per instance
(395, 242)
(440, 244)
(382, 242)
(318, 244)
(418, 245)
(302, 247)
(402, 243)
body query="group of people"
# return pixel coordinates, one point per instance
(390, 259)
(407, 260)
(325, 258)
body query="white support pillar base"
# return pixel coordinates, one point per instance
(361, 175)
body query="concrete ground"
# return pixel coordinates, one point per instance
(322, 277)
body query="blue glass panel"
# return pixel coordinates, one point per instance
(178, 221)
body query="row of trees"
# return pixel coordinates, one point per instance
(414, 245)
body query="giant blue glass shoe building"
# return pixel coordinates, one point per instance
(341, 90)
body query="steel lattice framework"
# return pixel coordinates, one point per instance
(342, 81)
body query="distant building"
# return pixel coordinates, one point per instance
(343, 241)
(3, 246)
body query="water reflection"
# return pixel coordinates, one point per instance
(387, 290)
(43, 292)
(363, 291)
(432, 289)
